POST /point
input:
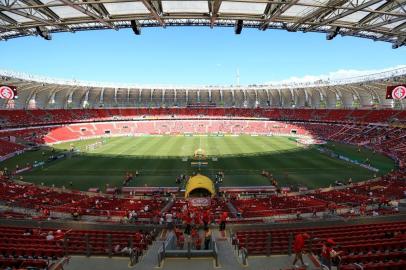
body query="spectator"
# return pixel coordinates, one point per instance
(389, 235)
(207, 238)
(298, 247)
(50, 236)
(223, 219)
(169, 221)
(328, 255)
(298, 214)
(28, 232)
(187, 220)
(198, 243)
(206, 218)
(59, 235)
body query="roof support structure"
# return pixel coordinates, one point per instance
(6, 18)
(154, 12)
(276, 12)
(365, 23)
(214, 7)
(399, 27)
(320, 12)
(89, 11)
(13, 22)
(23, 14)
(57, 16)
(99, 8)
(394, 20)
(362, 6)
(389, 6)
(49, 13)
(44, 10)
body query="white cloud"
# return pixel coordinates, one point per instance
(335, 75)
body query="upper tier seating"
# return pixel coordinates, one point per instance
(20, 118)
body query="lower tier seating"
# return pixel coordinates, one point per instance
(51, 244)
(374, 246)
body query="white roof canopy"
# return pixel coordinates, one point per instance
(383, 20)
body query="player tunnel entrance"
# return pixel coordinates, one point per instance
(199, 186)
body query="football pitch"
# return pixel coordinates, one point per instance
(159, 159)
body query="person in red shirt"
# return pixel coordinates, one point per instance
(206, 218)
(60, 235)
(362, 209)
(197, 219)
(187, 220)
(194, 233)
(181, 241)
(223, 219)
(198, 243)
(328, 254)
(298, 247)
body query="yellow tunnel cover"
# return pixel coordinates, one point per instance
(199, 182)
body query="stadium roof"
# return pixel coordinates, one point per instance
(383, 20)
(363, 91)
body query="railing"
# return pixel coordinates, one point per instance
(168, 249)
(242, 247)
(244, 255)
(60, 263)
(242, 250)
(215, 250)
(169, 243)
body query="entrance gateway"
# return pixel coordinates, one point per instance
(199, 186)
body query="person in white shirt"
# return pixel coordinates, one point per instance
(50, 236)
(169, 220)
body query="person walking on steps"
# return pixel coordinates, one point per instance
(207, 238)
(298, 248)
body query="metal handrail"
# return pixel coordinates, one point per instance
(215, 250)
(164, 247)
(244, 255)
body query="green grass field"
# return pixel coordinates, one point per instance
(159, 159)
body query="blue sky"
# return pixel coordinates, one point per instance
(194, 55)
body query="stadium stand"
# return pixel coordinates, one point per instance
(25, 246)
(373, 246)
(21, 118)
(7, 147)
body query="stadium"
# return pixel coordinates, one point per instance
(299, 174)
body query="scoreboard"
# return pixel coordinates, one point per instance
(8, 92)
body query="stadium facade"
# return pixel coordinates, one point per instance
(367, 91)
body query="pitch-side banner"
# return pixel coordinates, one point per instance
(8, 92)
(396, 91)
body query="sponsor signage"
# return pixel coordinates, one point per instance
(199, 202)
(37, 164)
(23, 170)
(8, 92)
(396, 92)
